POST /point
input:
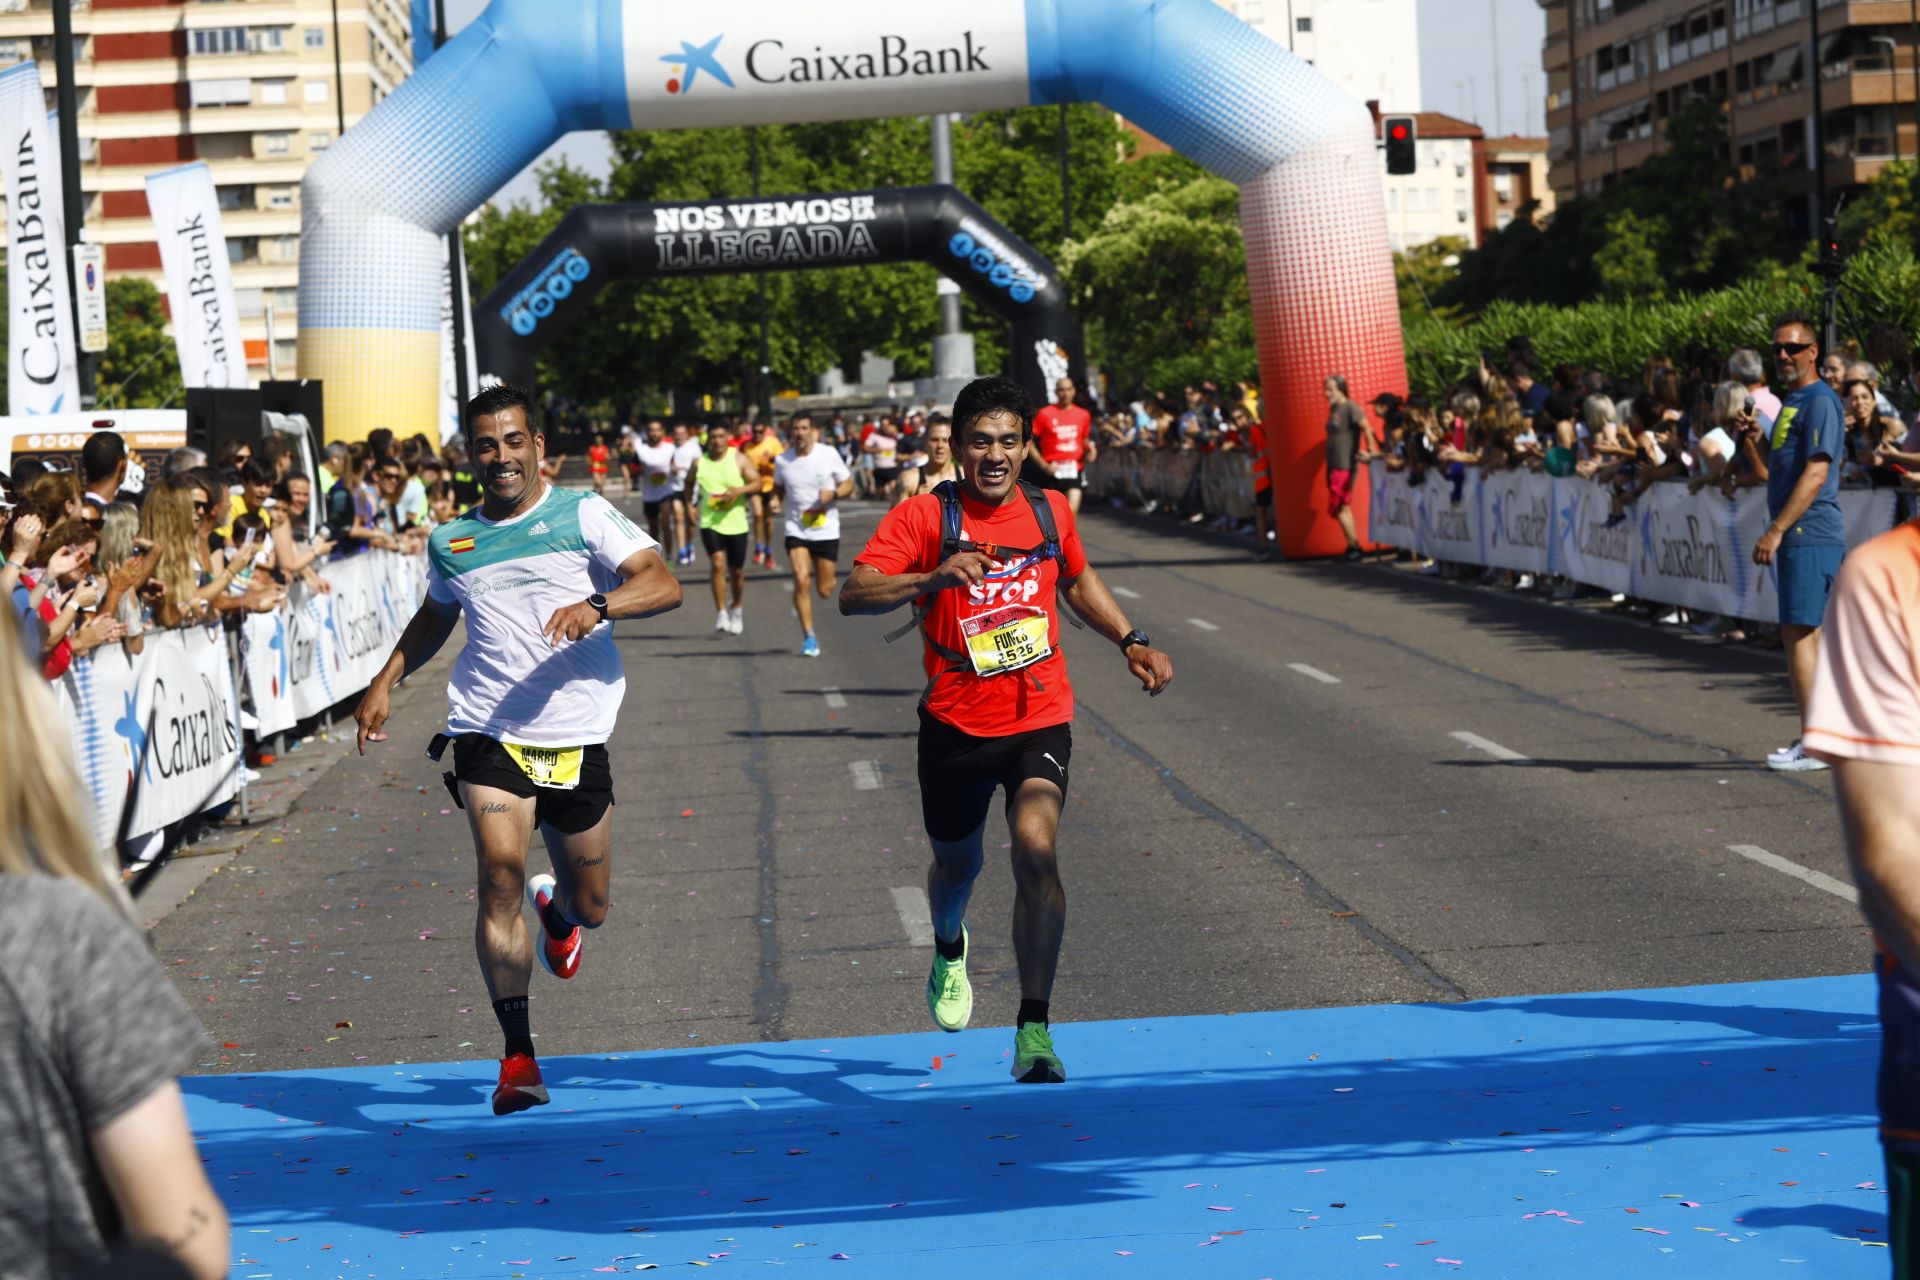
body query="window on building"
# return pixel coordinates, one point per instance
(1303, 25)
(316, 37)
(274, 92)
(242, 249)
(276, 144)
(1433, 197)
(234, 198)
(1503, 219)
(220, 93)
(269, 39)
(279, 197)
(11, 51)
(1503, 187)
(249, 302)
(213, 40)
(1459, 215)
(316, 91)
(285, 299)
(1393, 200)
(319, 141)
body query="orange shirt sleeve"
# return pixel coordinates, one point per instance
(1865, 703)
(908, 539)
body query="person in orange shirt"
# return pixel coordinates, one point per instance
(1863, 719)
(997, 709)
(765, 500)
(598, 456)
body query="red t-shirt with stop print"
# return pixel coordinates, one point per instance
(990, 706)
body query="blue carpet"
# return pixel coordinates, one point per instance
(1695, 1132)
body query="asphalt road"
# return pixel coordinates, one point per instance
(1298, 822)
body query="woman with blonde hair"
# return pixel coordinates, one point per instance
(92, 1035)
(167, 521)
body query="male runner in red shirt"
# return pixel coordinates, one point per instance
(1063, 443)
(997, 711)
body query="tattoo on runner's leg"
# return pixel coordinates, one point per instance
(584, 861)
(495, 806)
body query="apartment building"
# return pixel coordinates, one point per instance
(1617, 69)
(255, 88)
(1370, 48)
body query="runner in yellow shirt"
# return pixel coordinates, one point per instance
(722, 479)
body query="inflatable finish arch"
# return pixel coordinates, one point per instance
(528, 71)
(597, 244)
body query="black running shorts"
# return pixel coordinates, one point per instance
(734, 543)
(827, 549)
(483, 762)
(653, 509)
(958, 772)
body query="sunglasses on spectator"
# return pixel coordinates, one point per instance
(1791, 348)
(203, 507)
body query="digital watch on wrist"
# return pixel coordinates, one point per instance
(599, 603)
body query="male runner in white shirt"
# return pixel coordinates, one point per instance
(540, 573)
(811, 480)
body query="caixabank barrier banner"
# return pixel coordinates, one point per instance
(1689, 549)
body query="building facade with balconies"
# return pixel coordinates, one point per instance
(255, 88)
(1618, 69)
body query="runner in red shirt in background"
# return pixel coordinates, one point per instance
(1255, 443)
(997, 708)
(1063, 444)
(597, 457)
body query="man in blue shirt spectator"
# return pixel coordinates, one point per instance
(1805, 540)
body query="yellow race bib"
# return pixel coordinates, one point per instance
(1006, 639)
(556, 767)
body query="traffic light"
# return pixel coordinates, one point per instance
(1400, 134)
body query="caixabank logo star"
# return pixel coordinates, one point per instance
(691, 61)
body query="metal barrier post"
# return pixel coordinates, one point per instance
(233, 659)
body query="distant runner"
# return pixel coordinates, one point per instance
(722, 479)
(598, 458)
(1063, 444)
(997, 709)
(765, 500)
(812, 480)
(539, 573)
(940, 465)
(686, 453)
(659, 499)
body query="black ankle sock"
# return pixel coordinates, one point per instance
(1031, 1011)
(555, 921)
(950, 950)
(516, 1024)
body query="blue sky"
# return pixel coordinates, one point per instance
(1473, 54)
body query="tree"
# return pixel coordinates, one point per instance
(1683, 221)
(1422, 271)
(1886, 212)
(140, 369)
(1162, 285)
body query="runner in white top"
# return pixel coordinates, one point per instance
(686, 455)
(811, 480)
(531, 702)
(658, 494)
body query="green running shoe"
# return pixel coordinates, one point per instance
(949, 994)
(1034, 1061)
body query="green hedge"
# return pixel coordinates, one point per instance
(1882, 285)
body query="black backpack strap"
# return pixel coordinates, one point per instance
(1043, 516)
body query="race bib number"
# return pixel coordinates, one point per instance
(556, 767)
(656, 477)
(1065, 470)
(813, 519)
(1006, 639)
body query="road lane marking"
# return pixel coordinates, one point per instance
(836, 700)
(1818, 879)
(915, 916)
(1203, 624)
(1493, 749)
(1125, 593)
(866, 774)
(1313, 673)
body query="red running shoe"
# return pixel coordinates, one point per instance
(520, 1085)
(558, 956)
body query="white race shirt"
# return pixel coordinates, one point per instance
(509, 577)
(802, 482)
(656, 460)
(684, 458)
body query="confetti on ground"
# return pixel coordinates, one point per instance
(1611, 1081)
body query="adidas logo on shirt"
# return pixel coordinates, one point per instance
(538, 529)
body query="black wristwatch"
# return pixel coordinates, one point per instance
(599, 603)
(1134, 637)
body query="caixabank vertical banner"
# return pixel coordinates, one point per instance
(41, 374)
(193, 248)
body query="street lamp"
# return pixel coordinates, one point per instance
(1892, 49)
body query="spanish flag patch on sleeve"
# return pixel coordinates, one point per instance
(457, 545)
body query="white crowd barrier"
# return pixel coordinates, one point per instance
(1220, 484)
(1692, 550)
(160, 730)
